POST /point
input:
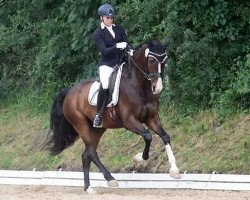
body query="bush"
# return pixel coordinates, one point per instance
(47, 45)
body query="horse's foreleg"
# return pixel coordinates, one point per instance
(156, 126)
(174, 171)
(111, 180)
(138, 128)
(148, 139)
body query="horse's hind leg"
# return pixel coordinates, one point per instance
(95, 158)
(91, 137)
(86, 160)
(91, 155)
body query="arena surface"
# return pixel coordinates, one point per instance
(13, 192)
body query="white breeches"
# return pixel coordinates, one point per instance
(104, 74)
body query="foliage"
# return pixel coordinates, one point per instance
(208, 54)
(46, 45)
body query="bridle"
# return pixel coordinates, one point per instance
(160, 58)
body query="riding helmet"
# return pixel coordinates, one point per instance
(106, 10)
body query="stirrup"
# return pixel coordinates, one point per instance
(98, 122)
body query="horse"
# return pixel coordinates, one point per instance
(72, 115)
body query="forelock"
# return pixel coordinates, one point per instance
(156, 46)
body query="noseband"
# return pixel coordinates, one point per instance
(160, 58)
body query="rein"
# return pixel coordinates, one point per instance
(144, 73)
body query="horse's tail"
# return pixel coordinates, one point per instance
(63, 133)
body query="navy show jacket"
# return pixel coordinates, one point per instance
(106, 44)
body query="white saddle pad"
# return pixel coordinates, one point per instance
(93, 92)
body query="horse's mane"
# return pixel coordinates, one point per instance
(140, 45)
(153, 45)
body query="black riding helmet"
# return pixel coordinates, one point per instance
(106, 10)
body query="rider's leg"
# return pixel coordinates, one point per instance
(101, 102)
(104, 73)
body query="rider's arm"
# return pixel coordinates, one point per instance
(98, 38)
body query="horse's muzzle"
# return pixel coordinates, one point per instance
(156, 86)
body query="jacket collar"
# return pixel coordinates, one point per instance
(103, 25)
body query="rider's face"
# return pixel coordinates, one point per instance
(108, 21)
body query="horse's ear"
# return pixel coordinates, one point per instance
(167, 43)
(150, 43)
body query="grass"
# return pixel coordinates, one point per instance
(22, 133)
(200, 144)
(223, 149)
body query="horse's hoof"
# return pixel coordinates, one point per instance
(174, 173)
(90, 190)
(113, 183)
(138, 158)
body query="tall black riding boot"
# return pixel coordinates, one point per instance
(101, 103)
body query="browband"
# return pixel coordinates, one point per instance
(159, 57)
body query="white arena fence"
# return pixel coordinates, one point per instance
(212, 181)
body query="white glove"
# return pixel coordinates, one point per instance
(121, 45)
(131, 52)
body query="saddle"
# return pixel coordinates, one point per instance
(114, 85)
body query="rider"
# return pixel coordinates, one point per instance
(110, 39)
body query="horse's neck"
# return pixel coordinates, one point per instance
(138, 66)
(138, 77)
(141, 84)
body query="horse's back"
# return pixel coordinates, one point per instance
(76, 101)
(77, 108)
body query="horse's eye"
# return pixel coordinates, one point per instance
(151, 60)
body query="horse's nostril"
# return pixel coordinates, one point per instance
(153, 89)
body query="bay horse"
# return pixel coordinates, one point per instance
(72, 115)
